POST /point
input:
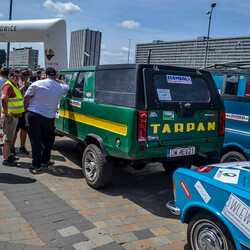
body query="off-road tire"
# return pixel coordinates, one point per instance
(97, 169)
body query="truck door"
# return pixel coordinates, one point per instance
(60, 114)
(74, 119)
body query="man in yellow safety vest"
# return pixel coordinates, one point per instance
(12, 109)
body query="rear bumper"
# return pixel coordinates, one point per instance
(159, 149)
(173, 209)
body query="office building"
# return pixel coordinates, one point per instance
(85, 48)
(24, 58)
(191, 53)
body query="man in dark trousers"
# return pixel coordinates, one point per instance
(40, 101)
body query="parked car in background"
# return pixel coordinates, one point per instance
(214, 201)
(233, 83)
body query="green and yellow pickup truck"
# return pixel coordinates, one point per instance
(135, 114)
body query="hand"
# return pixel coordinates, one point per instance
(8, 114)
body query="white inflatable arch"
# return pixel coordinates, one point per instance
(50, 31)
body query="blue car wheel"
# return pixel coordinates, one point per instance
(206, 231)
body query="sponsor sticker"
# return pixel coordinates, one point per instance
(168, 115)
(88, 99)
(153, 114)
(204, 169)
(227, 175)
(242, 118)
(154, 137)
(164, 94)
(238, 213)
(179, 79)
(88, 94)
(202, 191)
(183, 185)
(75, 103)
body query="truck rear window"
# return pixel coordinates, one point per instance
(172, 88)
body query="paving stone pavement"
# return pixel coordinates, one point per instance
(56, 209)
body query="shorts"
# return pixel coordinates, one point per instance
(9, 125)
(21, 123)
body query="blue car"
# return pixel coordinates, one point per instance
(233, 83)
(214, 201)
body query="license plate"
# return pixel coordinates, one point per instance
(176, 152)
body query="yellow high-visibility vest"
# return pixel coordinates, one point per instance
(15, 105)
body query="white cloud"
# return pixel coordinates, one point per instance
(107, 53)
(125, 49)
(59, 7)
(1, 15)
(129, 24)
(60, 15)
(103, 46)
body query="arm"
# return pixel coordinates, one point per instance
(5, 99)
(26, 101)
(60, 81)
(23, 87)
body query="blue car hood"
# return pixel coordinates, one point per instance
(236, 174)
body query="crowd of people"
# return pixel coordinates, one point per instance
(29, 104)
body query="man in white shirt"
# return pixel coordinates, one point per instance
(40, 101)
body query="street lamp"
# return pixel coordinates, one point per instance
(8, 44)
(129, 48)
(209, 12)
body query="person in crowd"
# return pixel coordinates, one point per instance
(12, 109)
(37, 76)
(4, 72)
(23, 86)
(40, 101)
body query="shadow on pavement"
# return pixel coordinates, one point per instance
(15, 179)
(150, 188)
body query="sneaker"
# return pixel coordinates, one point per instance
(34, 169)
(12, 150)
(23, 150)
(50, 163)
(9, 163)
(13, 158)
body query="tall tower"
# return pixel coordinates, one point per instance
(85, 48)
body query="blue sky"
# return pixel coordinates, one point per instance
(140, 20)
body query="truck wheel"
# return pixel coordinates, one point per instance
(206, 231)
(233, 156)
(97, 169)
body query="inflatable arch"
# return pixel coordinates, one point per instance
(50, 31)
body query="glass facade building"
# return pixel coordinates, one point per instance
(191, 53)
(24, 58)
(85, 48)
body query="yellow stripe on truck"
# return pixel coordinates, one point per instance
(114, 127)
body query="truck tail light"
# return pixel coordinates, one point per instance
(222, 123)
(142, 126)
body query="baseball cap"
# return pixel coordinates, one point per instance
(50, 71)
